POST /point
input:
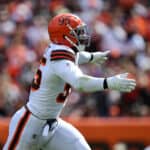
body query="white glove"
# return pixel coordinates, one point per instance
(121, 83)
(99, 57)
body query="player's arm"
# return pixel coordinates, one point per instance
(95, 57)
(72, 74)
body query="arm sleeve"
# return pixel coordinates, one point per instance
(84, 57)
(72, 74)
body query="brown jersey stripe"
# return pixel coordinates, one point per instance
(62, 51)
(62, 57)
(19, 129)
(62, 54)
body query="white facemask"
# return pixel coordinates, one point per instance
(81, 47)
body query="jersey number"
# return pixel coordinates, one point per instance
(36, 80)
(62, 96)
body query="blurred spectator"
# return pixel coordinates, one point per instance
(122, 26)
(120, 146)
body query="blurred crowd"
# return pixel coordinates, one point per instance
(121, 26)
(120, 146)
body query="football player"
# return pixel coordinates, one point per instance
(37, 125)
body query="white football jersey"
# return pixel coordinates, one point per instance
(49, 88)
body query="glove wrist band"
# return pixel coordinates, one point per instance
(105, 85)
(92, 56)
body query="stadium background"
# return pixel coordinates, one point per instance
(109, 120)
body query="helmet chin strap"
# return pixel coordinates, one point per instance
(79, 47)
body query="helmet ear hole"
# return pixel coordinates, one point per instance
(63, 36)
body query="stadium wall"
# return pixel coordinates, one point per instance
(107, 130)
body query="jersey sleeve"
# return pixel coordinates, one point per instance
(62, 55)
(72, 74)
(84, 57)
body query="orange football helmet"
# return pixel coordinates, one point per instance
(68, 29)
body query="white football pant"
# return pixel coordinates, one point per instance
(27, 132)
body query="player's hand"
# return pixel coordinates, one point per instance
(100, 57)
(121, 83)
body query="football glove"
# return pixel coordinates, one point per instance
(121, 83)
(99, 57)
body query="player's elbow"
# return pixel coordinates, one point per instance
(80, 84)
(79, 88)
